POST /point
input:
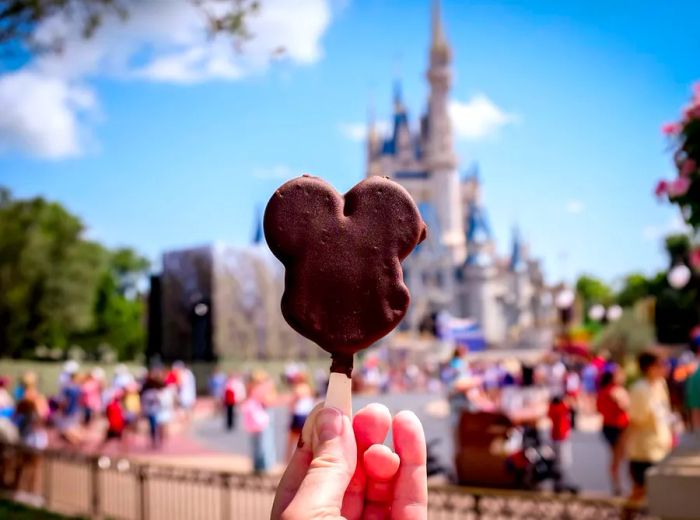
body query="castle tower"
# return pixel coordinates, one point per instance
(440, 156)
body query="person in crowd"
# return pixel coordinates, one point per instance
(346, 472)
(257, 420)
(151, 405)
(692, 391)
(91, 397)
(612, 404)
(30, 417)
(116, 422)
(234, 393)
(186, 390)
(132, 409)
(572, 388)
(560, 417)
(122, 377)
(649, 436)
(68, 421)
(302, 402)
(7, 403)
(216, 385)
(70, 368)
(166, 414)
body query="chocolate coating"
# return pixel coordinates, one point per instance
(344, 285)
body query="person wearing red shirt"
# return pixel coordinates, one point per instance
(560, 416)
(115, 418)
(612, 404)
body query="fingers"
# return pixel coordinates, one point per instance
(411, 483)
(297, 467)
(381, 465)
(331, 467)
(291, 480)
(371, 425)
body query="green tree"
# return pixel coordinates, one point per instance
(635, 287)
(119, 306)
(57, 288)
(48, 274)
(593, 290)
(677, 246)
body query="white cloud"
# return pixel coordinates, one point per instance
(655, 232)
(358, 131)
(279, 171)
(575, 207)
(478, 118)
(42, 115)
(50, 99)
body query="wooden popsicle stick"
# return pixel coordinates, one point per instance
(339, 393)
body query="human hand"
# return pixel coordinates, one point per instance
(345, 471)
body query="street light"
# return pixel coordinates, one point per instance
(596, 312)
(614, 313)
(679, 276)
(565, 299)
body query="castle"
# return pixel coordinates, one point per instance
(457, 269)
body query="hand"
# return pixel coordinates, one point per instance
(346, 472)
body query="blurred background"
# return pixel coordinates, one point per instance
(551, 148)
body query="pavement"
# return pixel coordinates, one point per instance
(589, 452)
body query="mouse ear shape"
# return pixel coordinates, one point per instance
(401, 227)
(286, 208)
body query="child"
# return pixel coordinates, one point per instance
(560, 415)
(115, 418)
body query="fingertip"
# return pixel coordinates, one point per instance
(375, 411)
(409, 438)
(380, 462)
(371, 425)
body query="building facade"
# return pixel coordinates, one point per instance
(222, 302)
(457, 269)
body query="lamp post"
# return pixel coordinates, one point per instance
(599, 313)
(679, 276)
(564, 302)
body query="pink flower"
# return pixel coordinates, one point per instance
(670, 128)
(693, 111)
(678, 187)
(688, 167)
(696, 91)
(695, 258)
(661, 188)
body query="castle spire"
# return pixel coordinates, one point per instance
(257, 237)
(438, 39)
(398, 97)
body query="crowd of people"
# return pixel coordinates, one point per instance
(85, 401)
(642, 410)
(641, 413)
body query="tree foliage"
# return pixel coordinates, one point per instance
(19, 19)
(57, 287)
(592, 290)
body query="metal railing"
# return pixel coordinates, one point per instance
(102, 487)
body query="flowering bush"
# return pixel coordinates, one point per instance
(684, 190)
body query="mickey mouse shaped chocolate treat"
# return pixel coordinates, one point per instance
(344, 286)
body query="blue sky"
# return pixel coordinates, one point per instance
(159, 141)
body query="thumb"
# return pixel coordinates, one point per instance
(332, 466)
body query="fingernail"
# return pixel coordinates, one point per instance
(329, 424)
